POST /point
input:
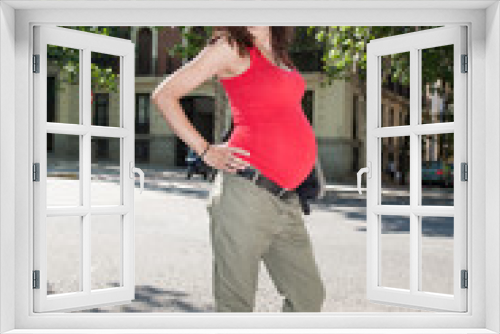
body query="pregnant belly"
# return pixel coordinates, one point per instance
(285, 153)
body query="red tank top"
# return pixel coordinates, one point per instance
(269, 121)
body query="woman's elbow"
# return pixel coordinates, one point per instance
(158, 94)
(163, 91)
(162, 97)
(165, 102)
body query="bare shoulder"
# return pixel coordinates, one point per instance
(229, 56)
(215, 59)
(222, 45)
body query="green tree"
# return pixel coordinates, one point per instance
(105, 69)
(342, 51)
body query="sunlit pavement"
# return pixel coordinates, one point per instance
(173, 254)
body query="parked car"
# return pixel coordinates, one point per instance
(196, 165)
(449, 175)
(437, 172)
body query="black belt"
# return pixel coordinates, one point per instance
(262, 181)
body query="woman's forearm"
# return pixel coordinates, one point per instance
(172, 112)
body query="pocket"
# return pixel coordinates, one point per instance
(215, 191)
(296, 204)
(245, 189)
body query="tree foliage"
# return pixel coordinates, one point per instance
(342, 49)
(105, 69)
(344, 55)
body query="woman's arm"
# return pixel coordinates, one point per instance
(213, 59)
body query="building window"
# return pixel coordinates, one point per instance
(144, 52)
(142, 127)
(100, 115)
(142, 112)
(51, 110)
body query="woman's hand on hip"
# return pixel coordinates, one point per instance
(221, 156)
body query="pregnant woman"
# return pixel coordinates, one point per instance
(254, 212)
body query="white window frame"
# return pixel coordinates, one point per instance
(87, 43)
(415, 44)
(483, 21)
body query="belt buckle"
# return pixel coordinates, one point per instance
(255, 176)
(282, 191)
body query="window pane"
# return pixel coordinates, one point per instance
(437, 254)
(395, 251)
(106, 245)
(63, 84)
(63, 170)
(63, 254)
(105, 83)
(105, 185)
(395, 94)
(437, 169)
(437, 84)
(395, 170)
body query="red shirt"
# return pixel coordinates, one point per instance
(269, 121)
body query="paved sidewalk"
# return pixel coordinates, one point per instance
(174, 259)
(159, 176)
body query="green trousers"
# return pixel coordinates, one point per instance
(248, 223)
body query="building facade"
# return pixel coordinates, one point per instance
(337, 113)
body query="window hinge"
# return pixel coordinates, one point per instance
(464, 171)
(465, 63)
(36, 63)
(465, 279)
(36, 171)
(36, 279)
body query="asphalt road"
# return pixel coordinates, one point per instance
(174, 259)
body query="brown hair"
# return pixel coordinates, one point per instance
(281, 38)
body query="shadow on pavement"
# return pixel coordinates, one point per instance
(151, 299)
